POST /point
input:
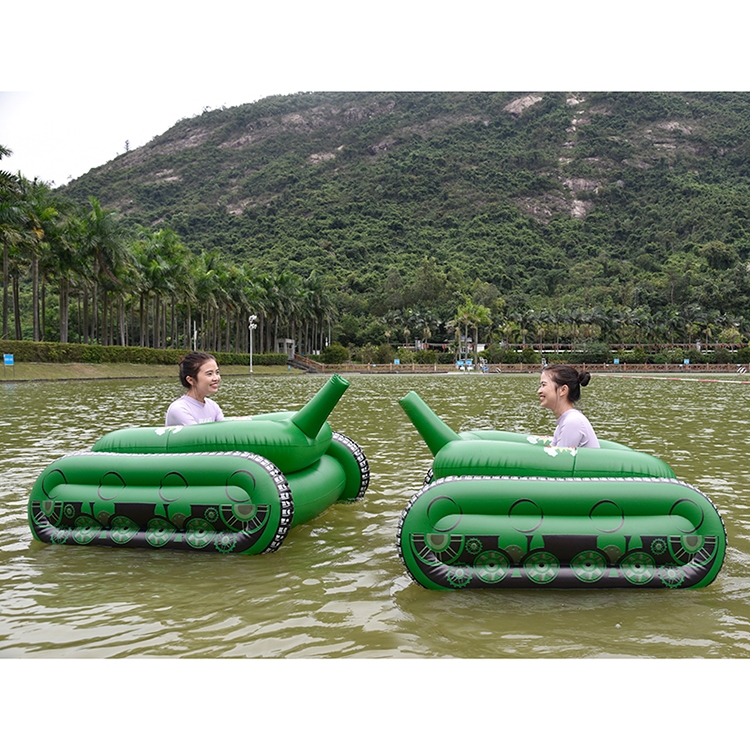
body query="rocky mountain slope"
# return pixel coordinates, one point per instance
(543, 194)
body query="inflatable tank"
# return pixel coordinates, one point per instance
(235, 486)
(503, 510)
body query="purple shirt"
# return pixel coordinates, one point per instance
(574, 431)
(187, 410)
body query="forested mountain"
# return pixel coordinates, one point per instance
(627, 203)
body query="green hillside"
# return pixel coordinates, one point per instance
(624, 214)
(538, 198)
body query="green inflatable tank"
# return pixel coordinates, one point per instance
(504, 510)
(234, 486)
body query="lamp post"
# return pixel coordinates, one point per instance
(253, 325)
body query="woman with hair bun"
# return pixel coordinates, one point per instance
(199, 373)
(559, 389)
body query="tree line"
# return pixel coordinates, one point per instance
(76, 273)
(81, 273)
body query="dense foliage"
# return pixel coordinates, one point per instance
(55, 352)
(549, 218)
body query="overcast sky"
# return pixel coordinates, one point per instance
(79, 79)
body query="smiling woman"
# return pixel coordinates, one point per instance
(199, 373)
(559, 389)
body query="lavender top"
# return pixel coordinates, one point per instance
(574, 431)
(187, 410)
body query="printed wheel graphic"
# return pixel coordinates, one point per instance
(638, 568)
(59, 536)
(473, 546)
(86, 529)
(541, 567)
(122, 530)
(459, 575)
(659, 546)
(588, 566)
(48, 507)
(225, 541)
(199, 533)
(671, 576)
(491, 566)
(159, 531)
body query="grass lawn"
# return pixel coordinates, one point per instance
(82, 371)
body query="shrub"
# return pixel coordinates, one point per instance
(496, 354)
(405, 356)
(384, 354)
(595, 352)
(493, 354)
(50, 351)
(694, 356)
(426, 357)
(723, 356)
(334, 354)
(637, 356)
(530, 356)
(366, 354)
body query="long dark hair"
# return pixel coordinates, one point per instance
(190, 364)
(567, 375)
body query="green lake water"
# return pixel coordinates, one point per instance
(336, 587)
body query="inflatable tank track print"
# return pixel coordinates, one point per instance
(174, 512)
(511, 533)
(362, 472)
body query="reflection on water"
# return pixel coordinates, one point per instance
(337, 587)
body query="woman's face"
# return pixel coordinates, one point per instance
(551, 395)
(206, 383)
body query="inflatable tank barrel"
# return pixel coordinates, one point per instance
(433, 430)
(311, 417)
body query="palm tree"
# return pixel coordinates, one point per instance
(670, 321)
(526, 320)
(317, 308)
(283, 301)
(480, 316)
(46, 233)
(547, 320)
(693, 318)
(462, 318)
(9, 229)
(69, 268)
(168, 277)
(104, 240)
(205, 272)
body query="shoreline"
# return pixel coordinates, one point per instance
(29, 372)
(26, 372)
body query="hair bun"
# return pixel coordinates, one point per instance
(584, 377)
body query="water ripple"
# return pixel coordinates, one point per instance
(337, 587)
